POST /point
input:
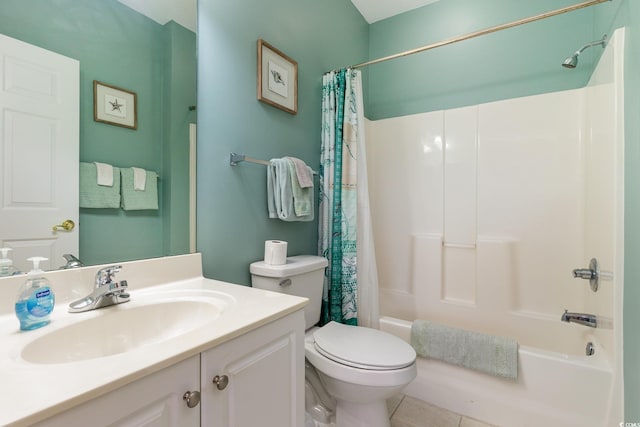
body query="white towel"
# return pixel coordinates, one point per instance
(139, 179)
(105, 174)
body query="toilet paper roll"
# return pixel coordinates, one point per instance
(275, 252)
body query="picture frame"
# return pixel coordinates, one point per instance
(114, 105)
(277, 78)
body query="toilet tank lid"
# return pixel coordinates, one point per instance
(298, 264)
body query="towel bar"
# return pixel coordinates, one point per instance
(234, 159)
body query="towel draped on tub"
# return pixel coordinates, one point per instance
(474, 350)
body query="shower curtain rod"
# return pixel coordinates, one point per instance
(482, 32)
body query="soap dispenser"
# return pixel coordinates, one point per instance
(35, 299)
(6, 265)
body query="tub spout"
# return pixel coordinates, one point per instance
(580, 318)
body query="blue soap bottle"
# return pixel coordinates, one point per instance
(35, 300)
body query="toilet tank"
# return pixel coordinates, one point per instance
(302, 276)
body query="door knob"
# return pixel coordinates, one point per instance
(192, 398)
(67, 225)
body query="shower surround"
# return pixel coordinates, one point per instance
(480, 215)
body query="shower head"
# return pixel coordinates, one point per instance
(572, 61)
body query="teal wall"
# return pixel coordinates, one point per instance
(232, 203)
(179, 94)
(515, 62)
(121, 47)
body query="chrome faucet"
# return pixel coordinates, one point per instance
(592, 274)
(72, 261)
(107, 292)
(589, 320)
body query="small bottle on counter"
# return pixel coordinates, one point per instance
(35, 300)
(6, 265)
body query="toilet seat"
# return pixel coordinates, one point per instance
(363, 348)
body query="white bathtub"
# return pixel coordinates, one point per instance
(552, 389)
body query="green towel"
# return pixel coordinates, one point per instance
(302, 197)
(482, 352)
(280, 198)
(93, 195)
(135, 200)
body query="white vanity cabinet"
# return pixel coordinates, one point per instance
(260, 382)
(259, 378)
(153, 401)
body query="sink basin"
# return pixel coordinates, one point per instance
(122, 328)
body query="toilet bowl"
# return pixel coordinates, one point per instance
(358, 368)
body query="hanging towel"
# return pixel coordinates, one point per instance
(93, 195)
(105, 174)
(139, 179)
(304, 174)
(302, 197)
(135, 200)
(482, 352)
(280, 199)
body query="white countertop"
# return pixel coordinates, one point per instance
(33, 392)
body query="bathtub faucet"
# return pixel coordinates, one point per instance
(580, 318)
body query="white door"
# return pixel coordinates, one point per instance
(39, 152)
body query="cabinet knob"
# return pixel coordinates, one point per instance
(192, 398)
(221, 381)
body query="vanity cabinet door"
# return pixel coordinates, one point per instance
(256, 379)
(153, 401)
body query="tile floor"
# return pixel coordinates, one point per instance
(406, 411)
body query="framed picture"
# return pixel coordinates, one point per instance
(114, 105)
(277, 78)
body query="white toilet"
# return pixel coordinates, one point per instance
(358, 368)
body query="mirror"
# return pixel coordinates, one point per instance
(153, 57)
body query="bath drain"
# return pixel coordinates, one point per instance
(590, 349)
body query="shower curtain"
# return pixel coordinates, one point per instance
(350, 293)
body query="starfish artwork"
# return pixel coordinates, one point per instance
(115, 105)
